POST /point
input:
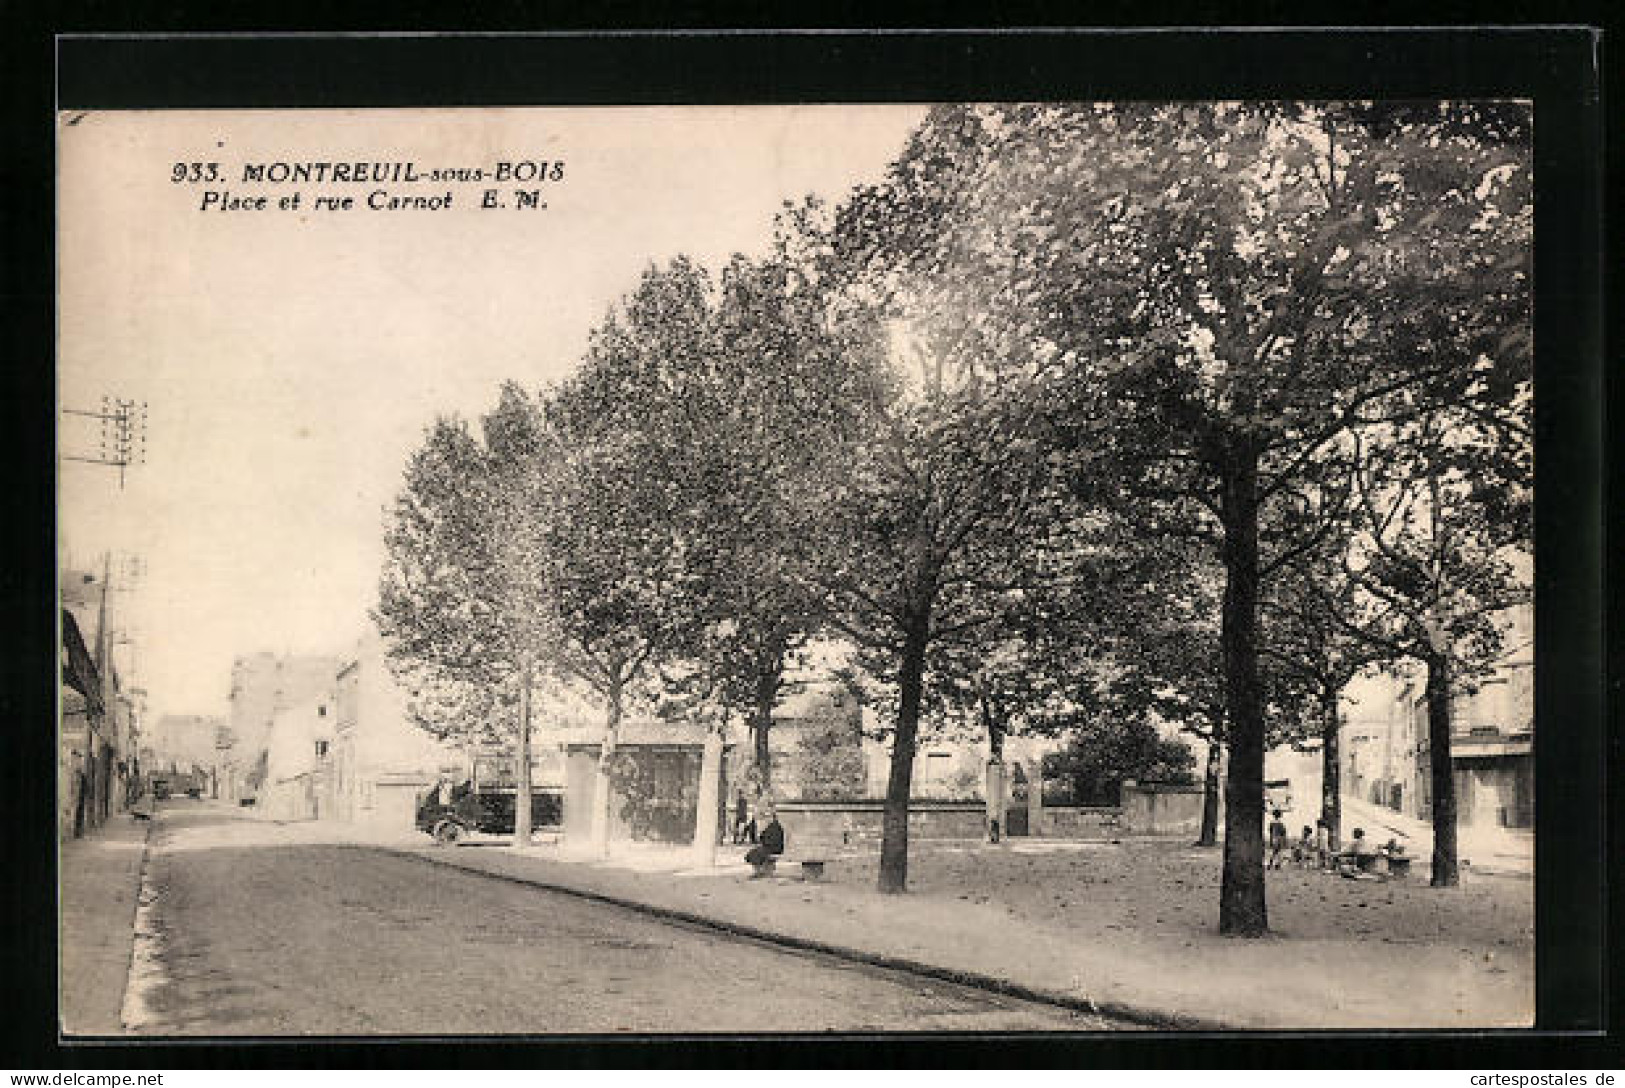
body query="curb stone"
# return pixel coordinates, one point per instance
(1151, 1018)
(117, 1031)
(132, 1008)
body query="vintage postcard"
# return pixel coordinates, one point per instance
(916, 568)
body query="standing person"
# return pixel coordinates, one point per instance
(1277, 840)
(770, 846)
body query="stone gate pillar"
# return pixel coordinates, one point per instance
(996, 803)
(1035, 798)
(710, 803)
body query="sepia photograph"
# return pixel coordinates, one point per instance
(967, 567)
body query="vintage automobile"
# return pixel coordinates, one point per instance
(484, 804)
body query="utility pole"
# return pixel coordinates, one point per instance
(123, 435)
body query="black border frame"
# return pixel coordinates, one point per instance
(1559, 67)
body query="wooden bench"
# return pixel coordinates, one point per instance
(812, 868)
(1380, 864)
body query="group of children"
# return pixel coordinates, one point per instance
(1313, 849)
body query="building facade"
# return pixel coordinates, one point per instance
(380, 761)
(297, 761)
(186, 743)
(98, 770)
(1387, 757)
(264, 685)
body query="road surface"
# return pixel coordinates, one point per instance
(251, 931)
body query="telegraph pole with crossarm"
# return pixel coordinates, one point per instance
(123, 434)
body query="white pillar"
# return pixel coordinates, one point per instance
(995, 795)
(601, 787)
(1035, 799)
(705, 820)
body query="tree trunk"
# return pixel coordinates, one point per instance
(1331, 783)
(894, 828)
(1210, 794)
(767, 696)
(1446, 874)
(522, 790)
(602, 787)
(994, 724)
(1242, 910)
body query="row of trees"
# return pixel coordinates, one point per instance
(1143, 412)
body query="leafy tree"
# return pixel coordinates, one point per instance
(439, 596)
(1445, 519)
(913, 524)
(616, 569)
(1227, 290)
(1166, 658)
(719, 392)
(1105, 750)
(1043, 656)
(464, 601)
(829, 758)
(781, 385)
(1322, 634)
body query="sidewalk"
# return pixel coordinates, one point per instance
(1129, 929)
(100, 879)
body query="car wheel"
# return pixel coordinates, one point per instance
(448, 833)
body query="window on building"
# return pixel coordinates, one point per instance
(321, 749)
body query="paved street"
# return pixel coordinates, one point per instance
(255, 932)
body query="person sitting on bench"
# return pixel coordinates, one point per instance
(1277, 841)
(769, 845)
(1359, 857)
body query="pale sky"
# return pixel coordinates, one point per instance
(291, 360)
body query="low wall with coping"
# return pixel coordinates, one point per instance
(1157, 808)
(1148, 808)
(831, 824)
(1081, 821)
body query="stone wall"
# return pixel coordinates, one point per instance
(1153, 808)
(1149, 809)
(1081, 822)
(827, 825)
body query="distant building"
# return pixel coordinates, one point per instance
(297, 759)
(264, 685)
(380, 760)
(1387, 755)
(185, 742)
(98, 731)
